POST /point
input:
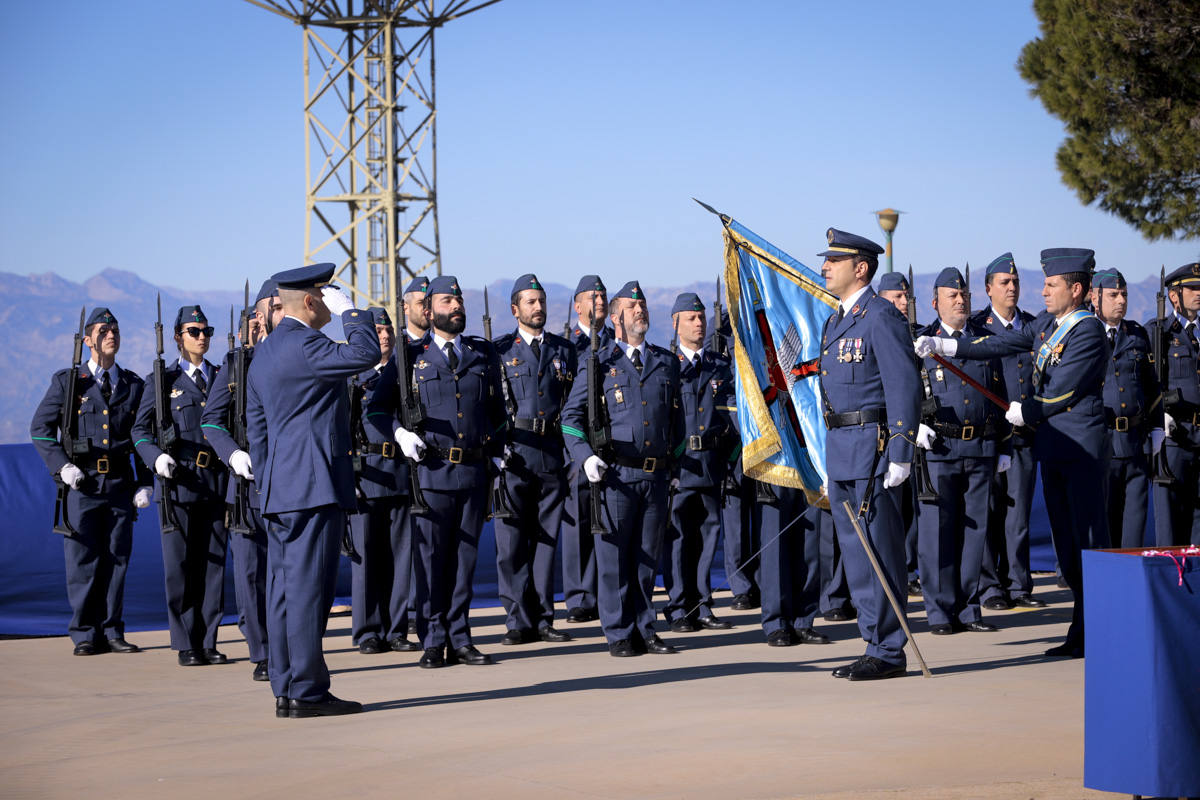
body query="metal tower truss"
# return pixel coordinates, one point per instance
(370, 119)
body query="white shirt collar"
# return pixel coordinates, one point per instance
(948, 328)
(1007, 322)
(1184, 321)
(529, 337)
(112, 371)
(440, 343)
(688, 353)
(852, 300)
(190, 369)
(628, 349)
(302, 322)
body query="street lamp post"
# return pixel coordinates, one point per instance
(888, 218)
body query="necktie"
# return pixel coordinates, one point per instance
(536, 347)
(1112, 337)
(1008, 326)
(956, 335)
(1053, 327)
(200, 382)
(841, 313)
(105, 386)
(1191, 334)
(451, 356)
(636, 358)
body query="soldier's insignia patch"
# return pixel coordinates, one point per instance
(829, 236)
(854, 310)
(422, 364)
(613, 372)
(989, 320)
(176, 393)
(514, 362)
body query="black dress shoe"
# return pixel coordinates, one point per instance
(874, 669)
(516, 637)
(433, 658)
(1066, 650)
(372, 646)
(1028, 601)
(119, 645)
(576, 615)
(683, 625)
(213, 656)
(547, 633)
(657, 645)
(742, 602)
(809, 636)
(467, 654)
(401, 644)
(191, 658)
(941, 630)
(261, 672)
(979, 626)
(781, 638)
(713, 624)
(87, 649)
(840, 614)
(281, 705)
(329, 706)
(997, 603)
(845, 670)
(412, 628)
(914, 588)
(622, 649)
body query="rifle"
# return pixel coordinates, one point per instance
(166, 432)
(922, 481)
(967, 288)
(1163, 475)
(499, 506)
(598, 433)
(718, 338)
(412, 413)
(66, 428)
(675, 336)
(237, 516)
(567, 324)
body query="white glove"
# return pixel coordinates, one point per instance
(896, 474)
(594, 468)
(924, 345)
(926, 436)
(411, 445)
(1157, 435)
(72, 475)
(1169, 423)
(1003, 462)
(143, 496)
(336, 300)
(1014, 414)
(239, 462)
(164, 466)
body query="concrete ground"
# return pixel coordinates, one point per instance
(727, 717)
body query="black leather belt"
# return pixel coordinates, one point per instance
(199, 455)
(704, 441)
(539, 425)
(1123, 424)
(644, 464)
(459, 455)
(110, 462)
(867, 416)
(965, 432)
(385, 449)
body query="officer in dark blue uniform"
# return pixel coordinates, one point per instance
(105, 483)
(965, 440)
(1066, 411)
(538, 370)
(871, 393)
(417, 328)
(1005, 579)
(789, 566)
(193, 555)
(458, 379)
(298, 422)
(1130, 386)
(381, 531)
(706, 392)
(249, 549)
(578, 553)
(641, 387)
(1177, 502)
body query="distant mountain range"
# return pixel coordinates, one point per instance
(40, 313)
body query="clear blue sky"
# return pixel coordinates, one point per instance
(166, 137)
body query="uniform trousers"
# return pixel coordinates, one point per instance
(627, 556)
(250, 584)
(835, 594)
(790, 570)
(1005, 570)
(1128, 494)
(741, 539)
(447, 546)
(381, 568)
(97, 557)
(194, 574)
(1177, 505)
(691, 546)
(953, 529)
(525, 548)
(578, 549)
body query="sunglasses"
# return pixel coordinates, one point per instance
(196, 333)
(105, 330)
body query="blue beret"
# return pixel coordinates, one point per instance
(1187, 275)
(632, 291)
(1108, 278)
(99, 316)
(1062, 260)
(189, 314)
(950, 278)
(1003, 264)
(313, 276)
(444, 284)
(590, 283)
(688, 301)
(380, 315)
(848, 244)
(268, 289)
(526, 281)
(893, 282)
(418, 284)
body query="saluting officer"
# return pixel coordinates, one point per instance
(1130, 387)
(1005, 578)
(457, 377)
(249, 549)
(641, 384)
(105, 483)
(706, 392)
(966, 442)
(871, 395)
(193, 555)
(1177, 503)
(578, 552)
(298, 424)
(538, 370)
(1066, 410)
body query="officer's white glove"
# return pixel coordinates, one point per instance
(164, 466)
(143, 496)
(411, 445)
(594, 468)
(336, 300)
(1003, 462)
(1169, 423)
(925, 345)
(1014, 414)
(926, 436)
(71, 475)
(1157, 435)
(896, 474)
(239, 462)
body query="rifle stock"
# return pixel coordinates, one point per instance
(1162, 474)
(922, 481)
(498, 499)
(412, 413)
(166, 432)
(66, 429)
(598, 433)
